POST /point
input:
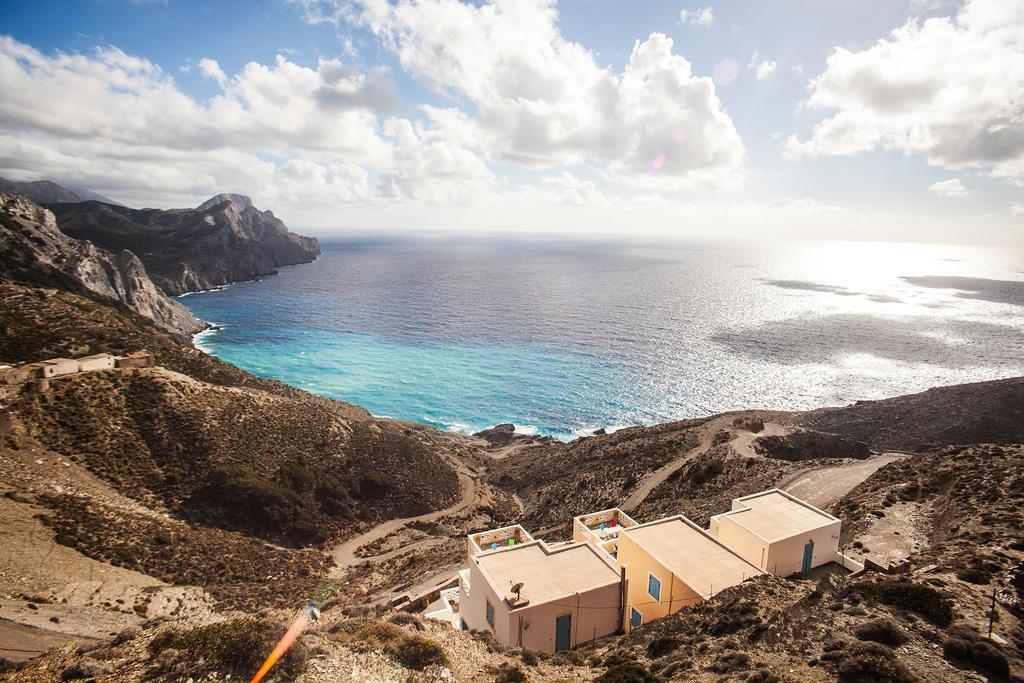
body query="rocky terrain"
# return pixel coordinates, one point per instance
(224, 240)
(167, 523)
(983, 412)
(33, 250)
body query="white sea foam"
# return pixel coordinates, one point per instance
(590, 429)
(526, 430)
(199, 337)
(204, 291)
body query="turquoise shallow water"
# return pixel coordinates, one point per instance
(561, 338)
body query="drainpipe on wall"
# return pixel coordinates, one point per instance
(622, 601)
(576, 623)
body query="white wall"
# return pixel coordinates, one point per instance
(785, 557)
(736, 538)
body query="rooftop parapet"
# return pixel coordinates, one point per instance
(601, 528)
(487, 541)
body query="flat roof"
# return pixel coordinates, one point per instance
(547, 573)
(775, 515)
(692, 554)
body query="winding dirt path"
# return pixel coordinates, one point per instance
(823, 487)
(658, 476)
(345, 554)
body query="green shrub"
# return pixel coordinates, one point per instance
(916, 597)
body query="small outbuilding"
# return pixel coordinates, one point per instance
(99, 361)
(55, 367)
(779, 533)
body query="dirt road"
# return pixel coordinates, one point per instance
(658, 476)
(823, 487)
(344, 554)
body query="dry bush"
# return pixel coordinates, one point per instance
(237, 647)
(884, 631)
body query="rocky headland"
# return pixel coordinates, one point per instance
(225, 239)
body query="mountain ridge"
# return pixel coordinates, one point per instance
(49, 192)
(226, 240)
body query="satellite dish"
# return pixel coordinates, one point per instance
(517, 589)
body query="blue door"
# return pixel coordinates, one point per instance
(805, 569)
(563, 631)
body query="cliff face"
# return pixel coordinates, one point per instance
(34, 250)
(226, 239)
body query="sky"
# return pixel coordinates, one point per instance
(850, 119)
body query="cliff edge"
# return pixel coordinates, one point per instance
(35, 251)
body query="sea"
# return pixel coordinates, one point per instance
(562, 337)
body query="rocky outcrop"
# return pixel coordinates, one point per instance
(225, 239)
(806, 444)
(35, 251)
(498, 435)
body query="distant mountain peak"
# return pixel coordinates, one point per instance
(240, 201)
(49, 192)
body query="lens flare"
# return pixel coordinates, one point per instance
(293, 632)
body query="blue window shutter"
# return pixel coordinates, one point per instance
(654, 586)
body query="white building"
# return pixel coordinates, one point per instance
(779, 533)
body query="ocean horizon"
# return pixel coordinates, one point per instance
(563, 337)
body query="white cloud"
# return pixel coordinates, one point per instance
(434, 165)
(120, 125)
(949, 188)
(704, 16)
(951, 88)
(541, 100)
(1016, 210)
(797, 69)
(762, 67)
(211, 69)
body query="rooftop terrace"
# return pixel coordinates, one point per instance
(487, 541)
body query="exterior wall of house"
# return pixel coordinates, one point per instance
(675, 594)
(473, 607)
(98, 362)
(750, 547)
(59, 366)
(785, 557)
(597, 613)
